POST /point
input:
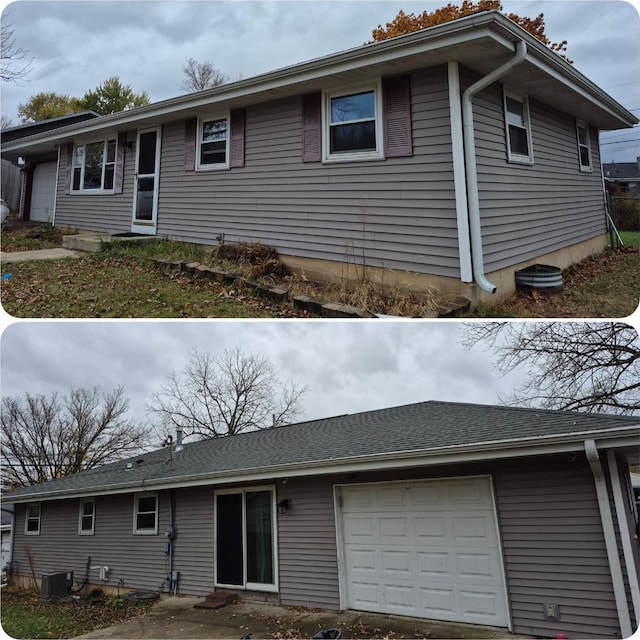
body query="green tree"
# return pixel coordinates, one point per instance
(408, 23)
(112, 96)
(46, 105)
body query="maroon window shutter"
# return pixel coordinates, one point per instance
(190, 129)
(69, 170)
(312, 127)
(396, 98)
(118, 179)
(236, 142)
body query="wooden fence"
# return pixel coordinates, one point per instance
(11, 185)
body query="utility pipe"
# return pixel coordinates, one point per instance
(470, 163)
(606, 517)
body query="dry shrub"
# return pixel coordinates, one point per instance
(254, 259)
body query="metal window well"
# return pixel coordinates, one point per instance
(542, 278)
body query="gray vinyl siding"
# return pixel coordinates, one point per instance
(105, 213)
(547, 510)
(307, 545)
(137, 560)
(530, 210)
(194, 543)
(554, 550)
(399, 213)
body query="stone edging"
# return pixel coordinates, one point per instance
(315, 306)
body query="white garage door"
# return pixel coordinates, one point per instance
(43, 192)
(427, 549)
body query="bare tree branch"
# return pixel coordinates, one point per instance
(45, 438)
(13, 68)
(571, 365)
(201, 75)
(223, 395)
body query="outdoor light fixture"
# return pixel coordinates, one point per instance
(283, 506)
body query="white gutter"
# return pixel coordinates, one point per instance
(470, 163)
(625, 536)
(606, 518)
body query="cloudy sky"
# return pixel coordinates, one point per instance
(77, 45)
(347, 366)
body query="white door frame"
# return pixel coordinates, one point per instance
(147, 226)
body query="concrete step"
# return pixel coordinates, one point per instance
(92, 242)
(217, 600)
(89, 242)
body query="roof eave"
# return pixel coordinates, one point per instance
(489, 24)
(620, 438)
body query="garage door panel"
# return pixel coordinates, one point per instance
(43, 192)
(478, 529)
(429, 554)
(479, 604)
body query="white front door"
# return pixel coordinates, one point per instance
(145, 194)
(43, 192)
(427, 549)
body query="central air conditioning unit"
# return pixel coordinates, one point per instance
(56, 585)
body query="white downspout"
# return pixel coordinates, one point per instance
(606, 518)
(55, 191)
(470, 163)
(623, 527)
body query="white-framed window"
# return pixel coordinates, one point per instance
(584, 146)
(32, 519)
(87, 517)
(518, 128)
(145, 513)
(352, 124)
(213, 142)
(94, 166)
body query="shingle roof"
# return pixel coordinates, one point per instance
(621, 170)
(426, 426)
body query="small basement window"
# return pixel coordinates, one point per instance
(145, 517)
(32, 520)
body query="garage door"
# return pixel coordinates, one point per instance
(427, 549)
(43, 192)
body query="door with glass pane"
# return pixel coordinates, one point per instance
(145, 195)
(245, 540)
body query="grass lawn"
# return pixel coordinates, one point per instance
(24, 615)
(102, 286)
(603, 286)
(122, 282)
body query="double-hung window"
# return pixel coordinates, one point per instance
(584, 146)
(518, 126)
(87, 517)
(94, 166)
(145, 516)
(213, 143)
(353, 124)
(32, 520)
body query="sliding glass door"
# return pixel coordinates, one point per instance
(245, 539)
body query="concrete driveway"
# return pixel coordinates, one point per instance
(175, 617)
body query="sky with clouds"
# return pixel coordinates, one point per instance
(346, 366)
(77, 45)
